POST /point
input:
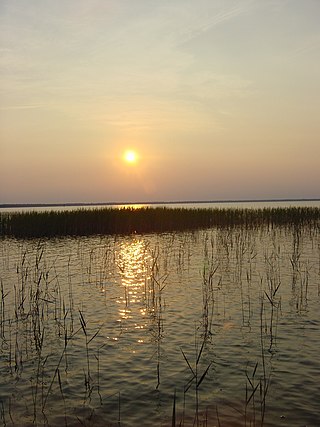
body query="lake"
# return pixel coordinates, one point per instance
(210, 327)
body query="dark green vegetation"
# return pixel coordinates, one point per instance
(84, 222)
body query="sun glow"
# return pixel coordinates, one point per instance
(130, 156)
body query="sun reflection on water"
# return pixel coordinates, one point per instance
(133, 261)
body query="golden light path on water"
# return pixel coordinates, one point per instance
(133, 261)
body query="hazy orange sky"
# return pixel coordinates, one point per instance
(219, 98)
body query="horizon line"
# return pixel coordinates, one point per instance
(57, 204)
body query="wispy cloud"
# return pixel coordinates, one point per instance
(214, 19)
(307, 46)
(19, 107)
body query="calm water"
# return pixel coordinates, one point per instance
(105, 329)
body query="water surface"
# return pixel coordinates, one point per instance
(101, 330)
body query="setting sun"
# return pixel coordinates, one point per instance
(130, 156)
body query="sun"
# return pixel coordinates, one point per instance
(130, 156)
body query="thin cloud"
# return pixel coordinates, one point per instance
(20, 107)
(219, 18)
(310, 45)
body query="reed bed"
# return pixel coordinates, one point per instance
(86, 222)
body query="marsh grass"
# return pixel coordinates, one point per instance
(85, 222)
(38, 316)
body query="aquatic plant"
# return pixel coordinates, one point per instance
(85, 222)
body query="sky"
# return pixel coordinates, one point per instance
(220, 100)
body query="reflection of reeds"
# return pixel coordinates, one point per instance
(128, 220)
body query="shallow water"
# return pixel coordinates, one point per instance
(105, 329)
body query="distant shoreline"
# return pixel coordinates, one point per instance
(176, 202)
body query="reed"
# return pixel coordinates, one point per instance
(197, 377)
(84, 222)
(2, 311)
(154, 303)
(88, 380)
